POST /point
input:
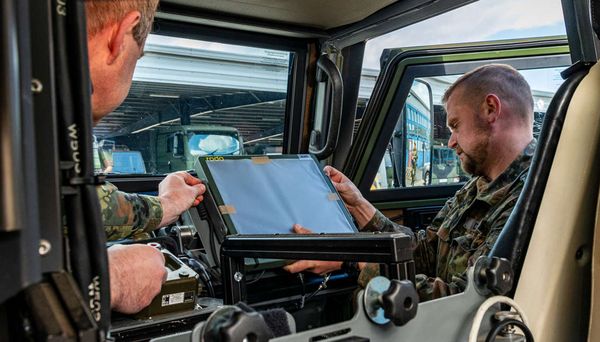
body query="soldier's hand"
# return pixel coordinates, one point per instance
(357, 205)
(314, 266)
(177, 193)
(137, 273)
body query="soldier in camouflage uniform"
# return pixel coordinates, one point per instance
(112, 58)
(490, 114)
(116, 32)
(133, 216)
(465, 229)
(125, 214)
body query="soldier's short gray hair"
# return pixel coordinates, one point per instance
(500, 79)
(101, 13)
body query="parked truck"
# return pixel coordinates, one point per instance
(178, 147)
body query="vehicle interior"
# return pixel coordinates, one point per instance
(350, 84)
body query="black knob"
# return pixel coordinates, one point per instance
(499, 276)
(244, 325)
(232, 324)
(400, 302)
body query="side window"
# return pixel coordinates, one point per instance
(191, 98)
(418, 158)
(418, 152)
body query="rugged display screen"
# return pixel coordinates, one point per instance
(268, 194)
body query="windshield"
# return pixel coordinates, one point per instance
(126, 162)
(182, 83)
(201, 144)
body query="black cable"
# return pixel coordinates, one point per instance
(303, 297)
(506, 322)
(96, 242)
(256, 279)
(213, 248)
(85, 233)
(200, 268)
(303, 290)
(79, 256)
(203, 212)
(215, 273)
(322, 286)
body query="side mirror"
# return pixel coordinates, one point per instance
(414, 136)
(409, 156)
(418, 123)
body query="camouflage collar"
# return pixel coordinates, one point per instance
(492, 192)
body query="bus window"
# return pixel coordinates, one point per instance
(418, 152)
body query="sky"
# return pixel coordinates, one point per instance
(479, 21)
(482, 20)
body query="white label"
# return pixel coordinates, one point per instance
(172, 299)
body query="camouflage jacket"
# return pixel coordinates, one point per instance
(463, 230)
(127, 215)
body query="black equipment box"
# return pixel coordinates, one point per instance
(178, 293)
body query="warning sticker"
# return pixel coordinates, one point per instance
(172, 299)
(260, 160)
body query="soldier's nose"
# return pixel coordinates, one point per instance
(452, 143)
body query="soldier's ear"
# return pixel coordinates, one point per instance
(492, 108)
(121, 32)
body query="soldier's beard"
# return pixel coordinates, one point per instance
(472, 163)
(475, 161)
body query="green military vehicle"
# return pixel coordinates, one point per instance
(120, 159)
(166, 149)
(178, 147)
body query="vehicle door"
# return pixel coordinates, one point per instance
(400, 160)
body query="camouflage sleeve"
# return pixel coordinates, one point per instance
(425, 253)
(369, 272)
(442, 214)
(125, 215)
(431, 288)
(380, 223)
(424, 243)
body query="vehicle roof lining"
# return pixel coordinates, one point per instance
(341, 23)
(315, 14)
